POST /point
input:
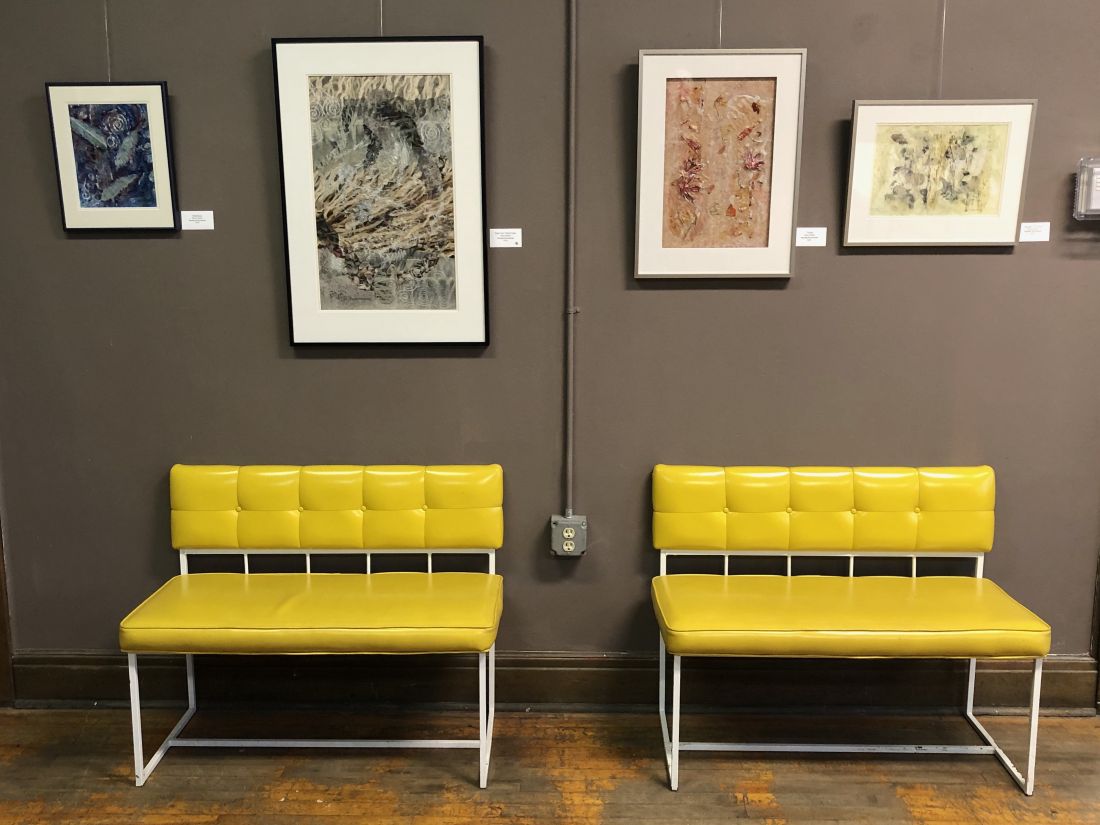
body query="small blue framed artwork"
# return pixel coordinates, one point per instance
(113, 152)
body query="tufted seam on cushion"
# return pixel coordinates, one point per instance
(889, 509)
(283, 506)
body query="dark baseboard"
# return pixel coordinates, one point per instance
(548, 680)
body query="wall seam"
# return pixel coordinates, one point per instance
(7, 621)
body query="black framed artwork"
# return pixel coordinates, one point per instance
(382, 160)
(113, 153)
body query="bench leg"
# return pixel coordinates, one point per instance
(141, 769)
(674, 772)
(486, 677)
(135, 720)
(189, 661)
(661, 657)
(671, 741)
(492, 694)
(1033, 725)
(1025, 780)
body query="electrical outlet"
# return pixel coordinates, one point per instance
(568, 535)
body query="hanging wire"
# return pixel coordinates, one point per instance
(943, 42)
(107, 38)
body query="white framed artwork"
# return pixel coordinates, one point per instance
(937, 172)
(719, 137)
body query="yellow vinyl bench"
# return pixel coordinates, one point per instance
(841, 512)
(308, 511)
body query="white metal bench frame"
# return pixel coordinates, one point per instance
(673, 744)
(486, 673)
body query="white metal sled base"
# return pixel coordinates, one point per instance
(673, 745)
(484, 742)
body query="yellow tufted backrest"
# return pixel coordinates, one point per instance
(903, 509)
(334, 507)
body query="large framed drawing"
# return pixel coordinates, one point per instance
(113, 153)
(719, 135)
(937, 172)
(380, 142)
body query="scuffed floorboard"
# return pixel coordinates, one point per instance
(74, 766)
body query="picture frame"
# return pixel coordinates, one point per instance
(719, 146)
(937, 172)
(382, 165)
(112, 148)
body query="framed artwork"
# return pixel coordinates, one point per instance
(719, 136)
(380, 141)
(114, 155)
(937, 172)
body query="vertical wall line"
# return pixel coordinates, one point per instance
(1094, 631)
(943, 43)
(107, 37)
(721, 14)
(570, 268)
(381, 20)
(7, 630)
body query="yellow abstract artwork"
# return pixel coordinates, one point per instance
(939, 169)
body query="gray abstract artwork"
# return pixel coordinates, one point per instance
(384, 191)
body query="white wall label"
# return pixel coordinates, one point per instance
(197, 220)
(1036, 232)
(811, 235)
(506, 237)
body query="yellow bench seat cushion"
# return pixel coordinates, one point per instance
(838, 616)
(318, 613)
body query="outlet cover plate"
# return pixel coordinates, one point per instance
(568, 536)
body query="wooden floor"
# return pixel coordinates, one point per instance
(74, 766)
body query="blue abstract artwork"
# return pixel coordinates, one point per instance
(114, 158)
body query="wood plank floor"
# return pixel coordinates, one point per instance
(75, 766)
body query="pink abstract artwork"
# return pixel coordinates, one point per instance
(718, 157)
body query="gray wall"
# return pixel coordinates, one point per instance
(122, 355)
